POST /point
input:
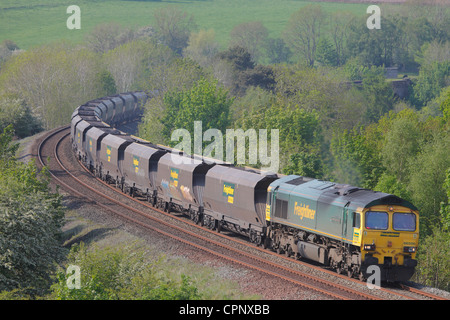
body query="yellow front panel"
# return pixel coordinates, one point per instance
(389, 242)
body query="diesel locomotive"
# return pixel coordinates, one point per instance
(343, 227)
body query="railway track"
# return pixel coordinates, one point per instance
(155, 220)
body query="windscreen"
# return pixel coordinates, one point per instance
(377, 220)
(404, 221)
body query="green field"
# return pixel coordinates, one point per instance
(35, 22)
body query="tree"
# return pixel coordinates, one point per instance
(277, 51)
(202, 47)
(433, 77)
(205, 101)
(356, 158)
(303, 31)
(53, 80)
(107, 36)
(31, 217)
(378, 92)
(179, 108)
(127, 63)
(401, 145)
(174, 27)
(427, 176)
(251, 36)
(340, 25)
(326, 54)
(434, 259)
(445, 205)
(299, 133)
(245, 72)
(14, 111)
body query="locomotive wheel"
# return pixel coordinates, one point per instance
(350, 272)
(219, 226)
(361, 276)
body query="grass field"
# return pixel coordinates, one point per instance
(36, 22)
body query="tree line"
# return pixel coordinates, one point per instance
(301, 83)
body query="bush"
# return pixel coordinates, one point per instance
(121, 273)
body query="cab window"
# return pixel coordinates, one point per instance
(404, 221)
(356, 220)
(376, 220)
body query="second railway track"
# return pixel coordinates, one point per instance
(54, 152)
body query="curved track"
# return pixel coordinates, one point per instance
(233, 250)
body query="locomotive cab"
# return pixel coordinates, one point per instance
(389, 240)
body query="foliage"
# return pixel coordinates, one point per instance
(427, 178)
(299, 134)
(252, 36)
(121, 273)
(433, 77)
(445, 205)
(202, 47)
(245, 72)
(130, 63)
(206, 101)
(434, 259)
(30, 220)
(303, 31)
(107, 36)
(379, 94)
(173, 27)
(53, 79)
(357, 161)
(326, 53)
(277, 51)
(15, 112)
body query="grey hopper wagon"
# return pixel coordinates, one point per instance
(237, 196)
(112, 149)
(140, 100)
(92, 149)
(140, 167)
(110, 111)
(181, 180)
(118, 109)
(80, 129)
(128, 106)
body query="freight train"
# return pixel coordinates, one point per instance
(346, 228)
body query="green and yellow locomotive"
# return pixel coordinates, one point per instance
(344, 227)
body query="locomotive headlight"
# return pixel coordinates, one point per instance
(369, 247)
(409, 249)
